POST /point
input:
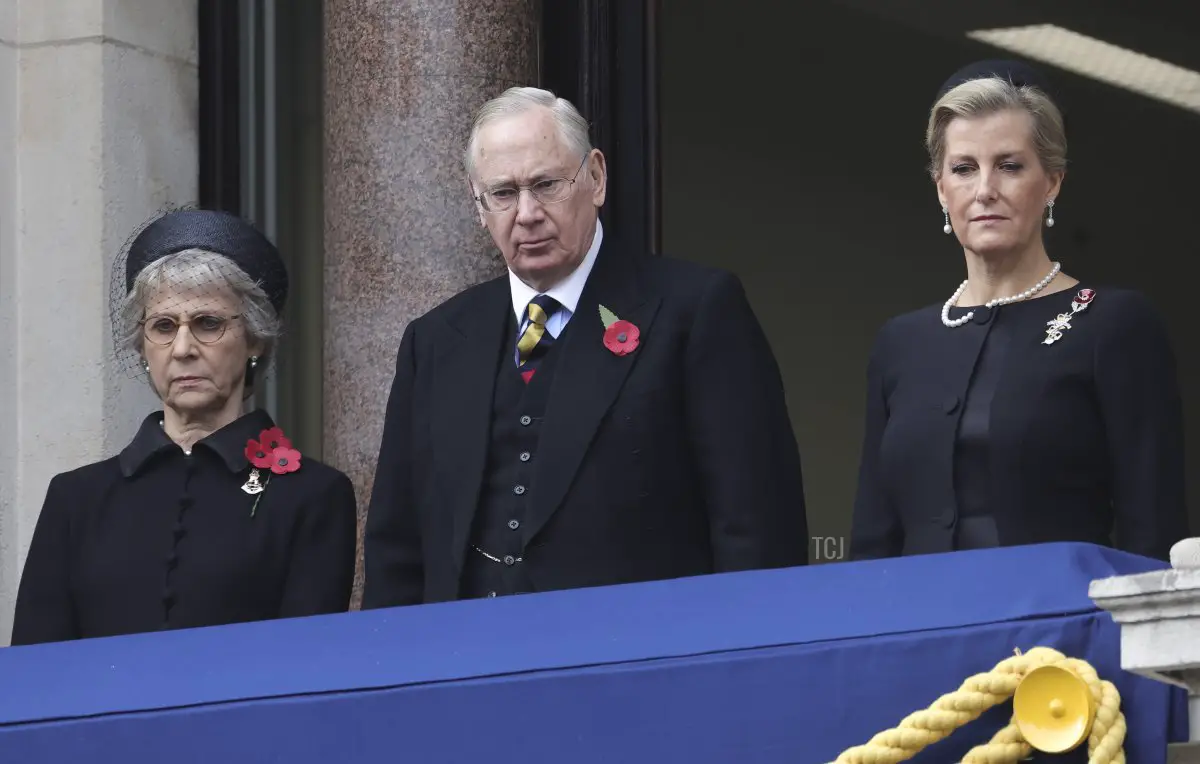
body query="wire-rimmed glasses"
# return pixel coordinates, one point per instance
(503, 198)
(205, 329)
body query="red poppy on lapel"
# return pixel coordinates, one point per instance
(272, 450)
(274, 438)
(258, 454)
(620, 337)
(285, 460)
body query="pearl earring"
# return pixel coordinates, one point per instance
(946, 214)
(253, 361)
(146, 366)
(1050, 217)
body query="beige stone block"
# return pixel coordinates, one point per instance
(165, 27)
(161, 27)
(61, 211)
(9, 472)
(8, 126)
(8, 23)
(39, 22)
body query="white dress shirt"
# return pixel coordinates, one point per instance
(566, 292)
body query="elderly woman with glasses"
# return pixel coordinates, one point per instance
(210, 515)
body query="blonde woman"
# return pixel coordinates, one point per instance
(1031, 406)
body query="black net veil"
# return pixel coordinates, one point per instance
(210, 271)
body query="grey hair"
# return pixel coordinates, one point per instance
(987, 96)
(199, 267)
(572, 127)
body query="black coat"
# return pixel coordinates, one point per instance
(1078, 440)
(153, 539)
(676, 460)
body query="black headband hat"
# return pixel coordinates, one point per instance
(219, 232)
(1018, 73)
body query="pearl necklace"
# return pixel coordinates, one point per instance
(1030, 292)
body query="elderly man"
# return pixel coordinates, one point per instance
(596, 416)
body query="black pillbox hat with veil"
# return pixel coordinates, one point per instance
(234, 240)
(218, 232)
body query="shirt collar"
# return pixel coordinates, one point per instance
(229, 442)
(567, 291)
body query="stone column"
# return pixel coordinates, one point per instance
(403, 79)
(1159, 616)
(97, 132)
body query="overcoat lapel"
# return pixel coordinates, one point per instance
(587, 378)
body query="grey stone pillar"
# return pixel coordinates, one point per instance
(403, 79)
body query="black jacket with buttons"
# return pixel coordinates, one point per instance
(1085, 434)
(156, 539)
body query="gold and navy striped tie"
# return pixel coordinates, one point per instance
(536, 339)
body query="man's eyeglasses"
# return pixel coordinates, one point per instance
(545, 191)
(161, 330)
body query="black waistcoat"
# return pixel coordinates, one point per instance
(517, 410)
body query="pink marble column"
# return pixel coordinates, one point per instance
(403, 79)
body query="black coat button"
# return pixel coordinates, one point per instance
(525, 420)
(514, 524)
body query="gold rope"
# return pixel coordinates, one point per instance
(983, 691)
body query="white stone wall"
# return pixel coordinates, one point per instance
(1159, 617)
(98, 130)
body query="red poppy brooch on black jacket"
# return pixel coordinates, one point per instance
(271, 451)
(620, 337)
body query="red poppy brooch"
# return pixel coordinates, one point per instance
(270, 451)
(1060, 323)
(620, 336)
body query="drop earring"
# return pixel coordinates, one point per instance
(253, 361)
(947, 227)
(1050, 216)
(146, 366)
